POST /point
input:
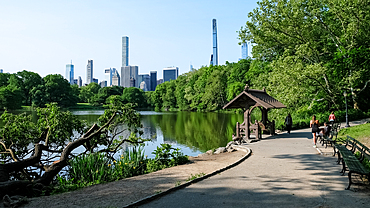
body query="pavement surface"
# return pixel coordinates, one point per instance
(283, 171)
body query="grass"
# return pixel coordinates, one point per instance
(359, 132)
(85, 106)
(192, 177)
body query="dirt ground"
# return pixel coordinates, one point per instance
(126, 191)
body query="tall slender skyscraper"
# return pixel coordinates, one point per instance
(153, 80)
(124, 51)
(70, 73)
(244, 50)
(215, 53)
(89, 72)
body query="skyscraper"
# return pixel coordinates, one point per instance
(79, 82)
(125, 51)
(116, 80)
(1, 71)
(153, 80)
(244, 50)
(89, 72)
(170, 73)
(215, 53)
(128, 72)
(70, 73)
(108, 76)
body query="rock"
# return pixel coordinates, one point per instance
(231, 149)
(220, 150)
(209, 152)
(228, 145)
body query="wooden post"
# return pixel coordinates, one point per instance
(237, 130)
(246, 122)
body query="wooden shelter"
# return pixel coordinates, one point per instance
(255, 99)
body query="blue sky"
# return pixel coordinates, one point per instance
(43, 36)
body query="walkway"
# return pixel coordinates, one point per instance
(283, 171)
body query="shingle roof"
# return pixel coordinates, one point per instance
(251, 97)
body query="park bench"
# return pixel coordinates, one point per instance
(331, 139)
(346, 156)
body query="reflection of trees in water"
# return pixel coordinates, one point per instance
(149, 128)
(198, 131)
(203, 131)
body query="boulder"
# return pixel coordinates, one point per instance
(220, 150)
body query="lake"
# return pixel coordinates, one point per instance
(192, 132)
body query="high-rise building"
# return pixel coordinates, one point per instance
(1, 71)
(144, 78)
(170, 73)
(132, 82)
(70, 73)
(143, 86)
(89, 72)
(215, 52)
(125, 51)
(116, 80)
(128, 72)
(153, 80)
(96, 80)
(103, 83)
(109, 74)
(159, 81)
(244, 50)
(79, 82)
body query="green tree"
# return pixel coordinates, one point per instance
(29, 80)
(89, 91)
(300, 38)
(134, 95)
(55, 89)
(32, 154)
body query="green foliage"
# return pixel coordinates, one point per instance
(54, 89)
(134, 96)
(98, 168)
(166, 156)
(88, 92)
(314, 57)
(18, 132)
(195, 176)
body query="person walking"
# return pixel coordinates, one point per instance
(314, 124)
(288, 123)
(332, 118)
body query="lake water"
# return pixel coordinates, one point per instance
(192, 132)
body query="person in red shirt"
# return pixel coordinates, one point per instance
(332, 118)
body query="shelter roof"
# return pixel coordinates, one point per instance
(250, 97)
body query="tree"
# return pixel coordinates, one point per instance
(134, 95)
(26, 171)
(300, 39)
(10, 97)
(29, 80)
(55, 89)
(87, 92)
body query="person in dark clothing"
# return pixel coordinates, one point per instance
(288, 123)
(314, 124)
(327, 129)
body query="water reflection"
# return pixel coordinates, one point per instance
(192, 132)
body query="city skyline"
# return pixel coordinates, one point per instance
(38, 36)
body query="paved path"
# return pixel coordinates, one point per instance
(283, 171)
